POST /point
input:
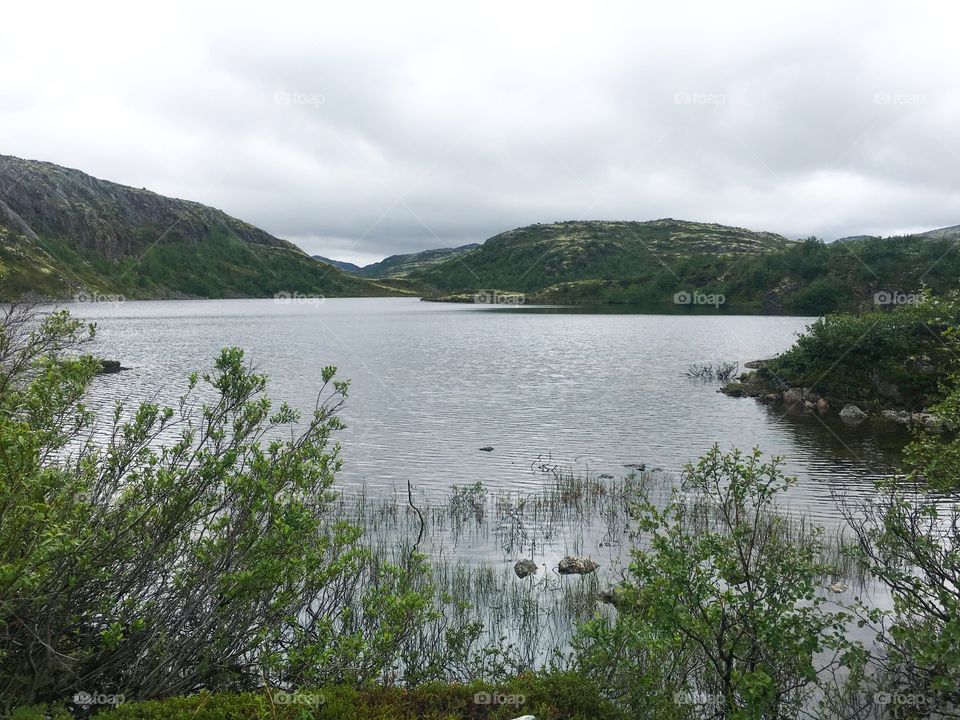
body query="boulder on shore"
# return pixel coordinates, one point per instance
(525, 567)
(901, 417)
(792, 396)
(576, 565)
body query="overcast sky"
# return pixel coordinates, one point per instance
(361, 130)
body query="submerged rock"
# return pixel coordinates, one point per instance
(611, 597)
(525, 567)
(576, 565)
(108, 367)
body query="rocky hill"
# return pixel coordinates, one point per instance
(63, 232)
(661, 264)
(538, 256)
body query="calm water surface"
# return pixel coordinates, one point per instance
(434, 382)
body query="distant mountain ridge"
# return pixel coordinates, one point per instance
(339, 264)
(945, 233)
(400, 266)
(63, 231)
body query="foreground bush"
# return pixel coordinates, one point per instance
(720, 615)
(909, 538)
(176, 549)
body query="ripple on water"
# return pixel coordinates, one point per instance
(434, 382)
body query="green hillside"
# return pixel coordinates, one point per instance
(534, 257)
(808, 277)
(648, 263)
(63, 232)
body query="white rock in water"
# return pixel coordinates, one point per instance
(852, 413)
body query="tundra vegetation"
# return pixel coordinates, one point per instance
(198, 561)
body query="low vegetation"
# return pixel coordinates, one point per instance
(721, 371)
(722, 615)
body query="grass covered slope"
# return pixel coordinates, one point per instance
(63, 232)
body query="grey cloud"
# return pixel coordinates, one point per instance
(371, 130)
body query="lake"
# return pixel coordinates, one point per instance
(434, 382)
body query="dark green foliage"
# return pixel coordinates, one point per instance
(936, 458)
(895, 357)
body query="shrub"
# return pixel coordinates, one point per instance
(183, 548)
(720, 615)
(909, 539)
(898, 356)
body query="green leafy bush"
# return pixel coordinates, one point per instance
(896, 357)
(720, 614)
(177, 548)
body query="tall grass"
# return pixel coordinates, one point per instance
(472, 536)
